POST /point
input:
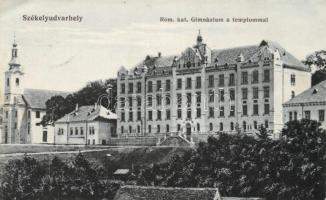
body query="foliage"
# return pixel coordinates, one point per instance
(290, 168)
(318, 59)
(58, 106)
(318, 76)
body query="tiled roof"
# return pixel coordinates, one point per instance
(316, 94)
(88, 113)
(36, 98)
(166, 193)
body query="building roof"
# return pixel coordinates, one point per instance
(131, 192)
(316, 94)
(88, 113)
(36, 98)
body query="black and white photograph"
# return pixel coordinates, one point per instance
(162, 100)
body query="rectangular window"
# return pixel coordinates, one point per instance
(198, 82)
(244, 77)
(131, 116)
(188, 85)
(123, 88)
(244, 93)
(179, 83)
(232, 94)
(138, 115)
(179, 113)
(130, 88)
(255, 92)
(295, 115)
(158, 85)
(307, 114)
(211, 96)
(255, 111)
(71, 131)
(138, 101)
(198, 112)
(158, 128)
(189, 114)
(159, 99)
(321, 114)
(222, 111)
(37, 114)
(221, 80)
(211, 81)
(167, 128)
(188, 99)
(179, 100)
(232, 111)
(290, 116)
(198, 97)
(149, 101)
(266, 92)
(150, 115)
(81, 130)
(149, 129)
(130, 101)
(122, 102)
(266, 109)
(222, 95)
(211, 112)
(231, 80)
(255, 76)
(167, 99)
(266, 75)
(138, 87)
(159, 115)
(76, 131)
(167, 85)
(292, 79)
(123, 118)
(45, 136)
(150, 86)
(244, 110)
(168, 114)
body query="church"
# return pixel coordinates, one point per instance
(24, 108)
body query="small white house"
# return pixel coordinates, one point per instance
(89, 125)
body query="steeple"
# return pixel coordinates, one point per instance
(199, 38)
(14, 62)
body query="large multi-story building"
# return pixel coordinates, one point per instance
(23, 109)
(203, 91)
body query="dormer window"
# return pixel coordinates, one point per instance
(17, 81)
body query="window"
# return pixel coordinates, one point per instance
(130, 101)
(159, 115)
(123, 88)
(266, 75)
(211, 81)
(321, 114)
(198, 82)
(307, 114)
(123, 118)
(76, 131)
(138, 115)
(221, 126)
(198, 127)
(266, 109)
(131, 116)
(255, 92)
(221, 111)
(159, 99)
(266, 123)
(189, 114)
(167, 128)
(244, 93)
(29, 129)
(81, 130)
(244, 125)
(232, 94)
(290, 116)
(198, 97)
(149, 128)
(210, 126)
(138, 87)
(231, 80)
(255, 111)
(211, 112)
(45, 136)
(211, 96)
(149, 101)
(244, 78)
(221, 80)
(150, 115)
(8, 82)
(138, 129)
(292, 79)
(179, 114)
(188, 99)
(292, 94)
(71, 131)
(167, 100)
(7, 114)
(266, 92)
(188, 85)
(232, 126)
(179, 83)
(138, 101)
(122, 102)
(122, 129)
(17, 81)
(158, 129)
(179, 127)
(130, 88)
(295, 115)
(130, 129)
(222, 95)
(244, 110)
(150, 86)
(255, 76)
(255, 125)
(198, 112)
(168, 114)
(232, 111)
(158, 85)
(167, 85)
(93, 141)
(37, 114)
(179, 100)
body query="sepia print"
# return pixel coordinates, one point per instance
(144, 100)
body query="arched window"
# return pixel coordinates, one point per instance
(211, 126)
(17, 81)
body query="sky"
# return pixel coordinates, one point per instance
(67, 55)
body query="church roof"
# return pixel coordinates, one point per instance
(168, 193)
(316, 94)
(88, 113)
(36, 98)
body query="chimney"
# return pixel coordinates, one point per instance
(76, 109)
(159, 54)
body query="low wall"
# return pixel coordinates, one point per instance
(133, 141)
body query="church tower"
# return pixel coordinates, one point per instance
(13, 98)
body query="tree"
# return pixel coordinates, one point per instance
(317, 59)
